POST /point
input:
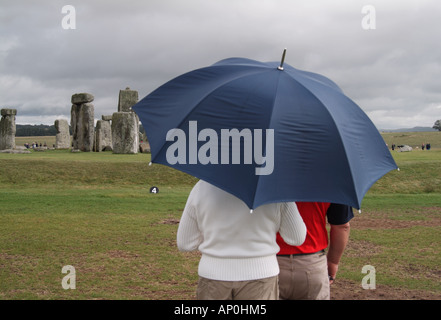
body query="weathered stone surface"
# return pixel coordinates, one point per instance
(80, 98)
(405, 148)
(82, 122)
(144, 147)
(62, 138)
(127, 98)
(14, 151)
(74, 111)
(8, 112)
(125, 137)
(7, 129)
(103, 136)
(86, 126)
(106, 118)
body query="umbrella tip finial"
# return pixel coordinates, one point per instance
(282, 61)
(251, 211)
(150, 163)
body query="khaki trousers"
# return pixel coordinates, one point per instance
(304, 277)
(261, 289)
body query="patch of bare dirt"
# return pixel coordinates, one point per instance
(122, 254)
(374, 223)
(344, 289)
(429, 217)
(170, 221)
(362, 248)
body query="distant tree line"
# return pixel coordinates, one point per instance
(29, 130)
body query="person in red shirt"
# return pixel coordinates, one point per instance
(306, 272)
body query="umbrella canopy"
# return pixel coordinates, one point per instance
(265, 133)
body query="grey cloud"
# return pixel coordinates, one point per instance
(393, 72)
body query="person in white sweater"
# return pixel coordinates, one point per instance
(238, 248)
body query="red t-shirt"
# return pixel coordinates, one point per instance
(314, 217)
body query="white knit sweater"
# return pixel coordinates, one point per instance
(236, 245)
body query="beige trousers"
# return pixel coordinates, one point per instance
(304, 277)
(261, 289)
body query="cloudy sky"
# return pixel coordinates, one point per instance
(393, 72)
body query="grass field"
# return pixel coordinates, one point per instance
(94, 211)
(413, 139)
(49, 140)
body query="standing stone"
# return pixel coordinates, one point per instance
(82, 121)
(125, 127)
(7, 129)
(80, 98)
(85, 127)
(127, 98)
(62, 138)
(74, 111)
(125, 123)
(103, 136)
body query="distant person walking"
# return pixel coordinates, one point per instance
(238, 247)
(306, 272)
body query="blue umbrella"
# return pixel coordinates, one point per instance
(265, 132)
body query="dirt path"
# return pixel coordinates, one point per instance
(344, 289)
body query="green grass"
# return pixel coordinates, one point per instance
(413, 139)
(419, 174)
(50, 140)
(94, 211)
(404, 242)
(407, 257)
